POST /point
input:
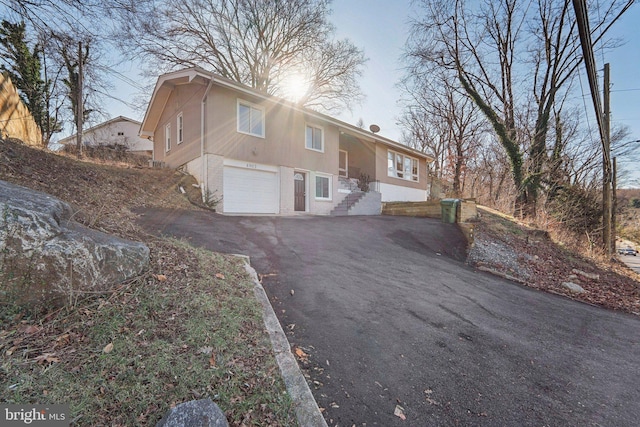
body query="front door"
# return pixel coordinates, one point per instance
(299, 192)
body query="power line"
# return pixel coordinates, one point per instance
(121, 76)
(586, 109)
(127, 103)
(626, 90)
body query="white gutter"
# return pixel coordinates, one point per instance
(205, 170)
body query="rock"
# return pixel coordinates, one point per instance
(50, 256)
(195, 413)
(577, 289)
(586, 275)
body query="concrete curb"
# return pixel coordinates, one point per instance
(307, 411)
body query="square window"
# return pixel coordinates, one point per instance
(314, 138)
(250, 119)
(323, 187)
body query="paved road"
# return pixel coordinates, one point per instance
(632, 261)
(391, 315)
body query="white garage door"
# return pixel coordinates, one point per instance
(250, 191)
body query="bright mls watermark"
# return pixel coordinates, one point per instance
(35, 415)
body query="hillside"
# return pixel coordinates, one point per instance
(531, 257)
(104, 195)
(629, 214)
(189, 328)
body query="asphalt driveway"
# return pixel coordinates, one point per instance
(390, 315)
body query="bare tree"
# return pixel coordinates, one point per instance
(264, 44)
(444, 122)
(64, 58)
(511, 57)
(56, 14)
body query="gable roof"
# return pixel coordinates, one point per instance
(166, 82)
(72, 138)
(161, 92)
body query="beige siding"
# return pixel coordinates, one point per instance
(185, 99)
(284, 141)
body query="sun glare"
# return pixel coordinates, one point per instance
(295, 87)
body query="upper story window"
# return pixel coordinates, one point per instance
(179, 121)
(167, 137)
(250, 119)
(402, 166)
(314, 139)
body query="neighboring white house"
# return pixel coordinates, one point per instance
(118, 131)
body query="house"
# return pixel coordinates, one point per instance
(120, 131)
(254, 153)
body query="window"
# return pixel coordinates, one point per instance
(250, 119)
(402, 166)
(167, 137)
(314, 138)
(179, 120)
(323, 187)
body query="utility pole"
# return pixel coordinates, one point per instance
(614, 205)
(79, 103)
(606, 167)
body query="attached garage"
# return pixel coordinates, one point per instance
(250, 188)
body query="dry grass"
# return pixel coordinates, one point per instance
(544, 259)
(189, 328)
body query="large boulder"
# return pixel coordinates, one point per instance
(195, 413)
(46, 256)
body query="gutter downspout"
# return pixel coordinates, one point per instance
(205, 170)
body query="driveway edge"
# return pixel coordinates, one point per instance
(307, 411)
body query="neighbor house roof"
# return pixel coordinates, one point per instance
(72, 138)
(166, 82)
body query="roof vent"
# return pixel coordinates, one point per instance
(374, 128)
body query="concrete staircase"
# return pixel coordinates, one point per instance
(356, 202)
(347, 203)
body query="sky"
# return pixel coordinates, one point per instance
(380, 28)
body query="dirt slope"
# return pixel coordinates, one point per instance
(189, 328)
(506, 247)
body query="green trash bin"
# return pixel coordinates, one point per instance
(449, 210)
